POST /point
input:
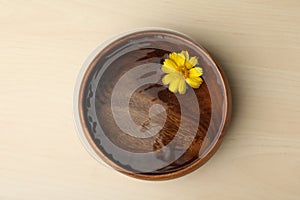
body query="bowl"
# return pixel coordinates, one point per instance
(129, 121)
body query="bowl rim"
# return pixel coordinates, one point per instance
(86, 138)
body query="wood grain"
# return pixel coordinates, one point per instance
(42, 47)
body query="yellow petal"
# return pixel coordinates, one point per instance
(173, 56)
(167, 79)
(168, 69)
(173, 87)
(181, 86)
(192, 62)
(179, 58)
(195, 72)
(186, 55)
(170, 63)
(194, 82)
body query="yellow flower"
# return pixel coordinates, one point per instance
(180, 69)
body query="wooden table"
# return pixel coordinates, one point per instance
(44, 43)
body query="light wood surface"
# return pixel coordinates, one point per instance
(44, 43)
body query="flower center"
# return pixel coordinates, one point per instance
(184, 71)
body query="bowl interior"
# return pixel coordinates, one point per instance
(136, 124)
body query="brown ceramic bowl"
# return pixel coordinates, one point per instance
(129, 121)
